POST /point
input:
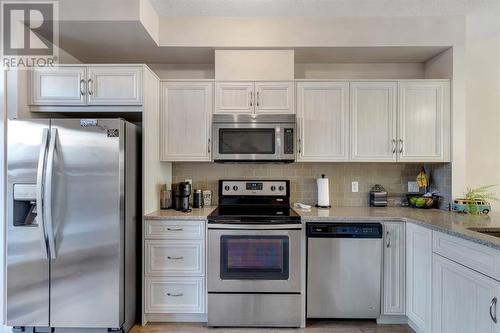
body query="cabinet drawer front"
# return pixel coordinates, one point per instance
(175, 257)
(158, 229)
(116, 85)
(475, 256)
(175, 295)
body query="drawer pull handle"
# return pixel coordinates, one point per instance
(175, 258)
(175, 229)
(175, 295)
(493, 314)
(388, 235)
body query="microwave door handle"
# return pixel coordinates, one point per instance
(39, 191)
(279, 133)
(48, 194)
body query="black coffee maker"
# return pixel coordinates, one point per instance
(180, 193)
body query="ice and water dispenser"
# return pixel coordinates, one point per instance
(25, 209)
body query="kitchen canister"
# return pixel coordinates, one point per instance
(165, 197)
(207, 198)
(323, 192)
(197, 199)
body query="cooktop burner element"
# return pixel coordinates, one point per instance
(254, 202)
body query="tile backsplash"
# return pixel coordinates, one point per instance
(393, 176)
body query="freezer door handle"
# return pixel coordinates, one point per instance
(39, 191)
(49, 230)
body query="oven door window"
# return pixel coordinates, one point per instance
(254, 258)
(247, 141)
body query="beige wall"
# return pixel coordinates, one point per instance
(483, 98)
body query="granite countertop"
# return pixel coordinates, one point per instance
(448, 222)
(452, 223)
(172, 214)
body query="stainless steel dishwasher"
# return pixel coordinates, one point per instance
(344, 263)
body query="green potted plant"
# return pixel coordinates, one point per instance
(475, 200)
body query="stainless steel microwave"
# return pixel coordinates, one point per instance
(254, 138)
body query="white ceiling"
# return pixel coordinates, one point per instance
(315, 7)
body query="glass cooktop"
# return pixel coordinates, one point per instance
(263, 214)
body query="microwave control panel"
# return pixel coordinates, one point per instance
(288, 141)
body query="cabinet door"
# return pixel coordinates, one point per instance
(185, 121)
(373, 121)
(424, 121)
(323, 121)
(462, 299)
(394, 269)
(234, 97)
(418, 276)
(274, 97)
(65, 85)
(114, 85)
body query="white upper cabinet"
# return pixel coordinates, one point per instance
(323, 121)
(114, 85)
(185, 120)
(373, 121)
(58, 86)
(274, 97)
(249, 97)
(393, 300)
(424, 121)
(463, 300)
(93, 85)
(234, 97)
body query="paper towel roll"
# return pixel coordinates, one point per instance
(323, 192)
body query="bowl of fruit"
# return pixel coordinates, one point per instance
(424, 201)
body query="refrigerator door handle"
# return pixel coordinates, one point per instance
(48, 194)
(39, 191)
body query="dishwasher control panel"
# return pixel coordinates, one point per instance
(344, 230)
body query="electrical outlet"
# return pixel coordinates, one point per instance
(413, 187)
(355, 187)
(190, 181)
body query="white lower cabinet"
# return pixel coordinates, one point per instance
(464, 301)
(175, 295)
(174, 268)
(393, 299)
(418, 277)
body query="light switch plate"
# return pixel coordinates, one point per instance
(413, 187)
(355, 187)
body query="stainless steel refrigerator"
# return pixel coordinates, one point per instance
(71, 224)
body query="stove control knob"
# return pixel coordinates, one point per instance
(235, 188)
(273, 188)
(227, 187)
(281, 188)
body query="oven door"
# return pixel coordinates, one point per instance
(249, 259)
(253, 142)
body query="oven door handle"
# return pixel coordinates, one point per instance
(297, 226)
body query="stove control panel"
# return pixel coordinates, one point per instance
(259, 187)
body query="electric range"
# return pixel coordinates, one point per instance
(255, 256)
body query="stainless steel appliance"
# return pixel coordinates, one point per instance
(344, 263)
(254, 138)
(71, 225)
(255, 260)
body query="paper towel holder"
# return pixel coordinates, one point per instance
(327, 206)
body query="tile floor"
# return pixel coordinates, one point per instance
(324, 326)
